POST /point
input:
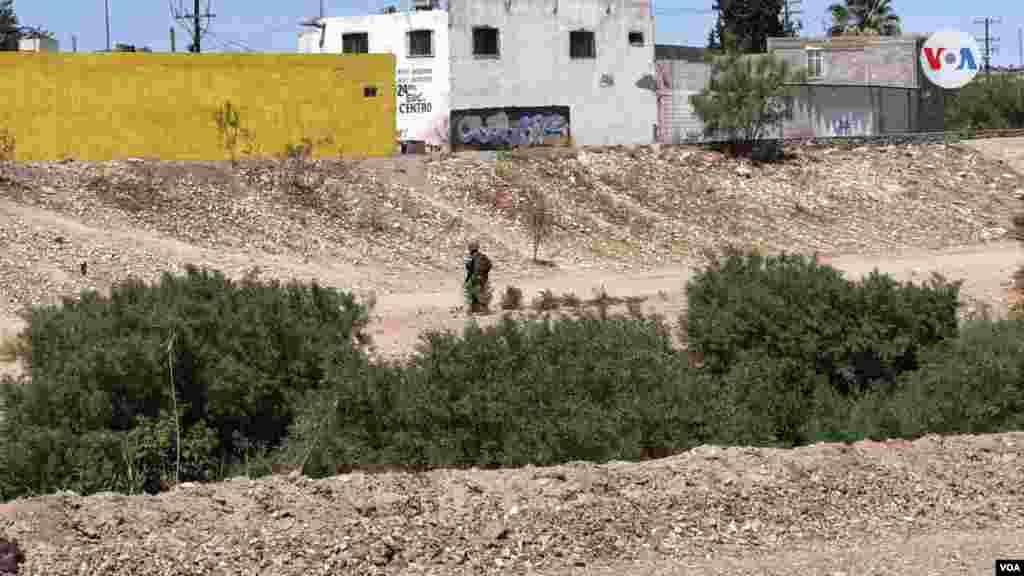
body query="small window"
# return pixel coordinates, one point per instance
(636, 38)
(815, 64)
(355, 43)
(421, 43)
(369, 91)
(581, 44)
(485, 41)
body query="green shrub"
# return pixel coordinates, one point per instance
(244, 354)
(989, 103)
(521, 392)
(765, 401)
(792, 307)
(971, 385)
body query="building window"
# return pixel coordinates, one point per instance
(485, 41)
(636, 38)
(421, 43)
(581, 44)
(815, 64)
(369, 91)
(355, 43)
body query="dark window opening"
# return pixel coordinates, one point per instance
(636, 38)
(485, 41)
(581, 44)
(421, 43)
(369, 91)
(355, 43)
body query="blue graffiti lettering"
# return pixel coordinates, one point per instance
(496, 129)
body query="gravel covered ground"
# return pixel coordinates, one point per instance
(707, 511)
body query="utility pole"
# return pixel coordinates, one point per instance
(192, 22)
(989, 49)
(106, 7)
(74, 43)
(1020, 47)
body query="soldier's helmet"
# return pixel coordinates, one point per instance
(474, 246)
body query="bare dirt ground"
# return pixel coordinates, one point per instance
(636, 222)
(939, 505)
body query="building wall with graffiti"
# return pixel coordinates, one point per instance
(492, 128)
(422, 82)
(610, 91)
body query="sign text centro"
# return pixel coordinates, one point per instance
(950, 58)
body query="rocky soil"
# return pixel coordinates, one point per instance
(711, 510)
(400, 225)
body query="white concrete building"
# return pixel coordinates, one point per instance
(519, 65)
(419, 41)
(38, 44)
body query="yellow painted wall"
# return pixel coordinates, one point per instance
(117, 105)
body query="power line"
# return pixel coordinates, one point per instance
(989, 40)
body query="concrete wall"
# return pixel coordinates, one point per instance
(611, 97)
(104, 106)
(677, 80)
(877, 61)
(870, 86)
(422, 83)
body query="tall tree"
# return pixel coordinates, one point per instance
(9, 34)
(751, 22)
(864, 17)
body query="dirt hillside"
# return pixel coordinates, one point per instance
(635, 221)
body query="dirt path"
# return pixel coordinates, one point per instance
(401, 318)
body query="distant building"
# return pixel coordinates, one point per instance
(545, 71)
(860, 85)
(38, 44)
(419, 41)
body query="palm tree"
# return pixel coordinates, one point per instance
(864, 17)
(840, 19)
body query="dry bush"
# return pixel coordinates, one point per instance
(546, 301)
(8, 147)
(298, 173)
(13, 348)
(539, 218)
(512, 299)
(571, 300)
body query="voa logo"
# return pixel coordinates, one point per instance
(950, 58)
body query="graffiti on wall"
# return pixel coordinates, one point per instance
(848, 124)
(499, 127)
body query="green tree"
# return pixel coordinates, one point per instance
(746, 96)
(9, 33)
(987, 103)
(751, 22)
(869, 17)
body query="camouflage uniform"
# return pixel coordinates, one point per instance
(478, 268)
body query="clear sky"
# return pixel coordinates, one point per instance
(272, 25)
